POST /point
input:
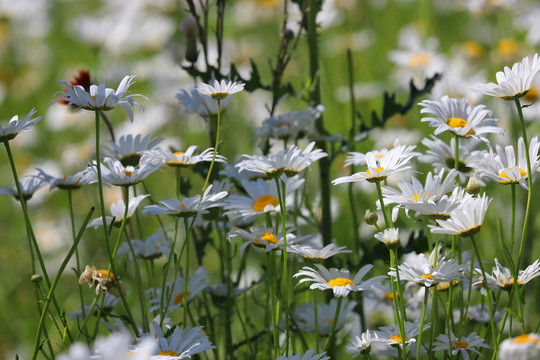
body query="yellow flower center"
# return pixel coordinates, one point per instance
(522, 339)
(104, 273)
(506, 47)
(175, 162)
(269, 238)
(532, 94)
(127, 173)
(264, 201)
(178, 153)
(182, 205)
(473, 49)
(340, 282)
(168, 353)
(389, 296)
(522, 173)
(179, 299)
(397, 338)
(378, 156)
(460, 344)
(379, 169)
(458, 123)
(419, 60)
(427, 276)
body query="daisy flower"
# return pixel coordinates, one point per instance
(357, 158)
(522, 347)
(187, 158)
(100, 98)
(460, 118)
(181, 344)
(153, 247)
(460, 346)
(504, 168)
(442, 156)
(175, 290)
(262, 197)
(14, 127)
(390, 334)
(422, 271)
(29, 185)
(115, 173)
(117, 211)
(503, 278)
(189, 206)
(109, 302)
(316, 254)
(360, 345)
(305, 316)
(68, 182)
(309, 355)
(394, 161)
(292, 125)
(192, 100)
(390, 237)
(221, 90)
(465, 220)
(337, 280)
(128, 149)
(513, 83)
(290, 161)
(261, 237)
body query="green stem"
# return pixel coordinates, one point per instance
(422, 320)
(186, 270)
(163, 310)
(215, 149)
(334, 324)
(282, 194)
(316, 324)
(513, 229)
(387, 219)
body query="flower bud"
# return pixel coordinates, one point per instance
(36, 278)
(371, 218)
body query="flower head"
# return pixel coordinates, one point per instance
(128, 149)
(156, 245)
(117, 211)
(305, 316)
(460, 346)
(309, 355)
(424, 273)
(292, 125)
(16, 126)
(522, 347)
(29, 185)
(185, 159)
(390, 237)
(115, 173)
(391, 335)
(181, 343)
(360, 345)
(68, 182)
(261, 237)
(221, 90)
(316, 253)
(503, 278)
(100, 98)
(513, 83)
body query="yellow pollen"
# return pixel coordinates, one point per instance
(473, 49)
(532, 94)
(415, 197)
(506, 47)
(263, 201)
(127, 172)
(458, 123)
(179, 299)
(397, 338)
(419, 60)
(269, 238)
(427, 276)
(508, 283)
(168, 353)
(389, 296)
(178, 153)
(182, 205)
(379, 169)
(522, 173)
(340, 282)
(521, 339)
(460, 344)
(104, 274)
(379, 156)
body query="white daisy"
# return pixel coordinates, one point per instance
(466, 220)
(513, 83)
(315, 254)
(261, 237)
(502, 277)
(29, 185)
(394, 161)
(460, 346)
(98, 97)
(292, 125)
(189, 206)
(221, 90)
(360, 345)
(390, 334)
(460, 118)
(114, 173)
(183, 343)
(68, 182)
(522, 347)
(185, 159)
(390, 237)
(309, 355)
(117, 212)
(357, 158)
(155, 246)
(337, 280)
(305, 316)
(192, 100)
(504, 168)
(128, 149)
(16, 126)
(422, 271)
(290, 161)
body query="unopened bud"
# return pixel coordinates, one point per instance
(288, 34)
(36, 278)
(371, 218)
(473, 186)
(189, 27)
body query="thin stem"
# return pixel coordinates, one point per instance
(422, 321)
(215, 149)
(285, 276)
(186, 270)
(334, 324)
(162, 310)
(387, 219)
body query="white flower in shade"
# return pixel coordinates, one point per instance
(479, 313)
(394, 161)
(440, 209)
(114, 173)
(460, 346)
(98, 97)
(192, 100)
(292, 125)
(262, 197)
(466, 220)
(183, 343)
(309, 355)
(305, 316)
(189, 206)
(175, 291)
(221, 90)
(109, 302)
(338, 280)
(315, 254)
(153, 247)
(460, 118)
(16, 126)
(29, 185)
(261, 237)
(357, 158)
(442, 156)
(390, 334)
(290, 161)
(504, 168)
(128, 149)
(522, 347)
(187, 158)
(513, 83)
(68, 182)
(390, 237)
(360, 345)
(117, 211)
(424, 273)
(502, 277)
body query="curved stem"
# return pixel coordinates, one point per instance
(215, 149)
